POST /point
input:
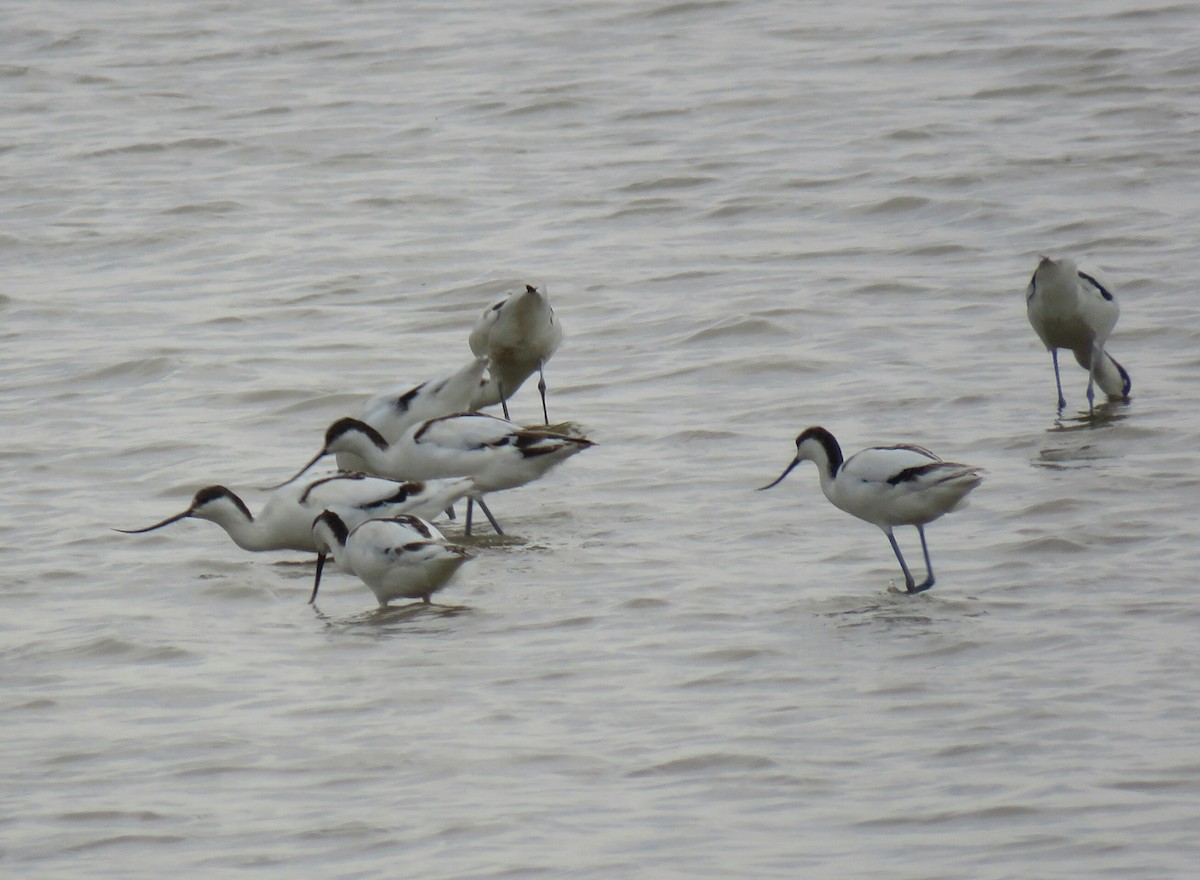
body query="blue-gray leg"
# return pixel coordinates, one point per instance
(489, 515)
(1097, 359)
(920, 588)
(1062, 401)
(473, 501)
(542, 389)
(1091, 393)
(503, 398)
(909, 583)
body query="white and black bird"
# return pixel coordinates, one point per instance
(887, 486)
(402, 557)
(285, 521)
(496, 453)
(1077, 310)
(518, 335)
(394, 411)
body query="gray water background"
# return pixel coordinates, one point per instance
(224, 224)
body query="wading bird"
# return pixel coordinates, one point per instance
(1072, 309)
(518, 335)
(401, 557)
(887, 486)
(393, 412)
(285, 521)
(497, 453)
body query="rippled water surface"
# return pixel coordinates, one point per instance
(225, 224)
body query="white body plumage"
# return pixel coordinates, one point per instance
(518, 335)
(887, 486)
(1077, 310)
(400, 557)
(394, 411)
(496, 453)
(285, 521)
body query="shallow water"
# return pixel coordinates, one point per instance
(225, 226)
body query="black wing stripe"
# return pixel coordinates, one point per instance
(1096, 284)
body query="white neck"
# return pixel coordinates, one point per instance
(828, 480)
(361, 445)
(247, 534)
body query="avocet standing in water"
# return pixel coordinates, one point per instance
(285, 521)
(401, 557)
(393, 412)
(518, 335)
(497, 453)
(1072, 309)
(887, 486)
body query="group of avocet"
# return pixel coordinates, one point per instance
(412, 454)
(427, 447)
(904, 485)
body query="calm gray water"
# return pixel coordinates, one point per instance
(224, 224)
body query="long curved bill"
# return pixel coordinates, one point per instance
(779, 480)
(166, 522)
(317, 582)
(314, 460)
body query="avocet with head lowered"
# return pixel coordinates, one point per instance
(518, 334)
(402, 557)
(496, 453)
(393, 412)
(285, 521)
(1073, 309)
(887, 486)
